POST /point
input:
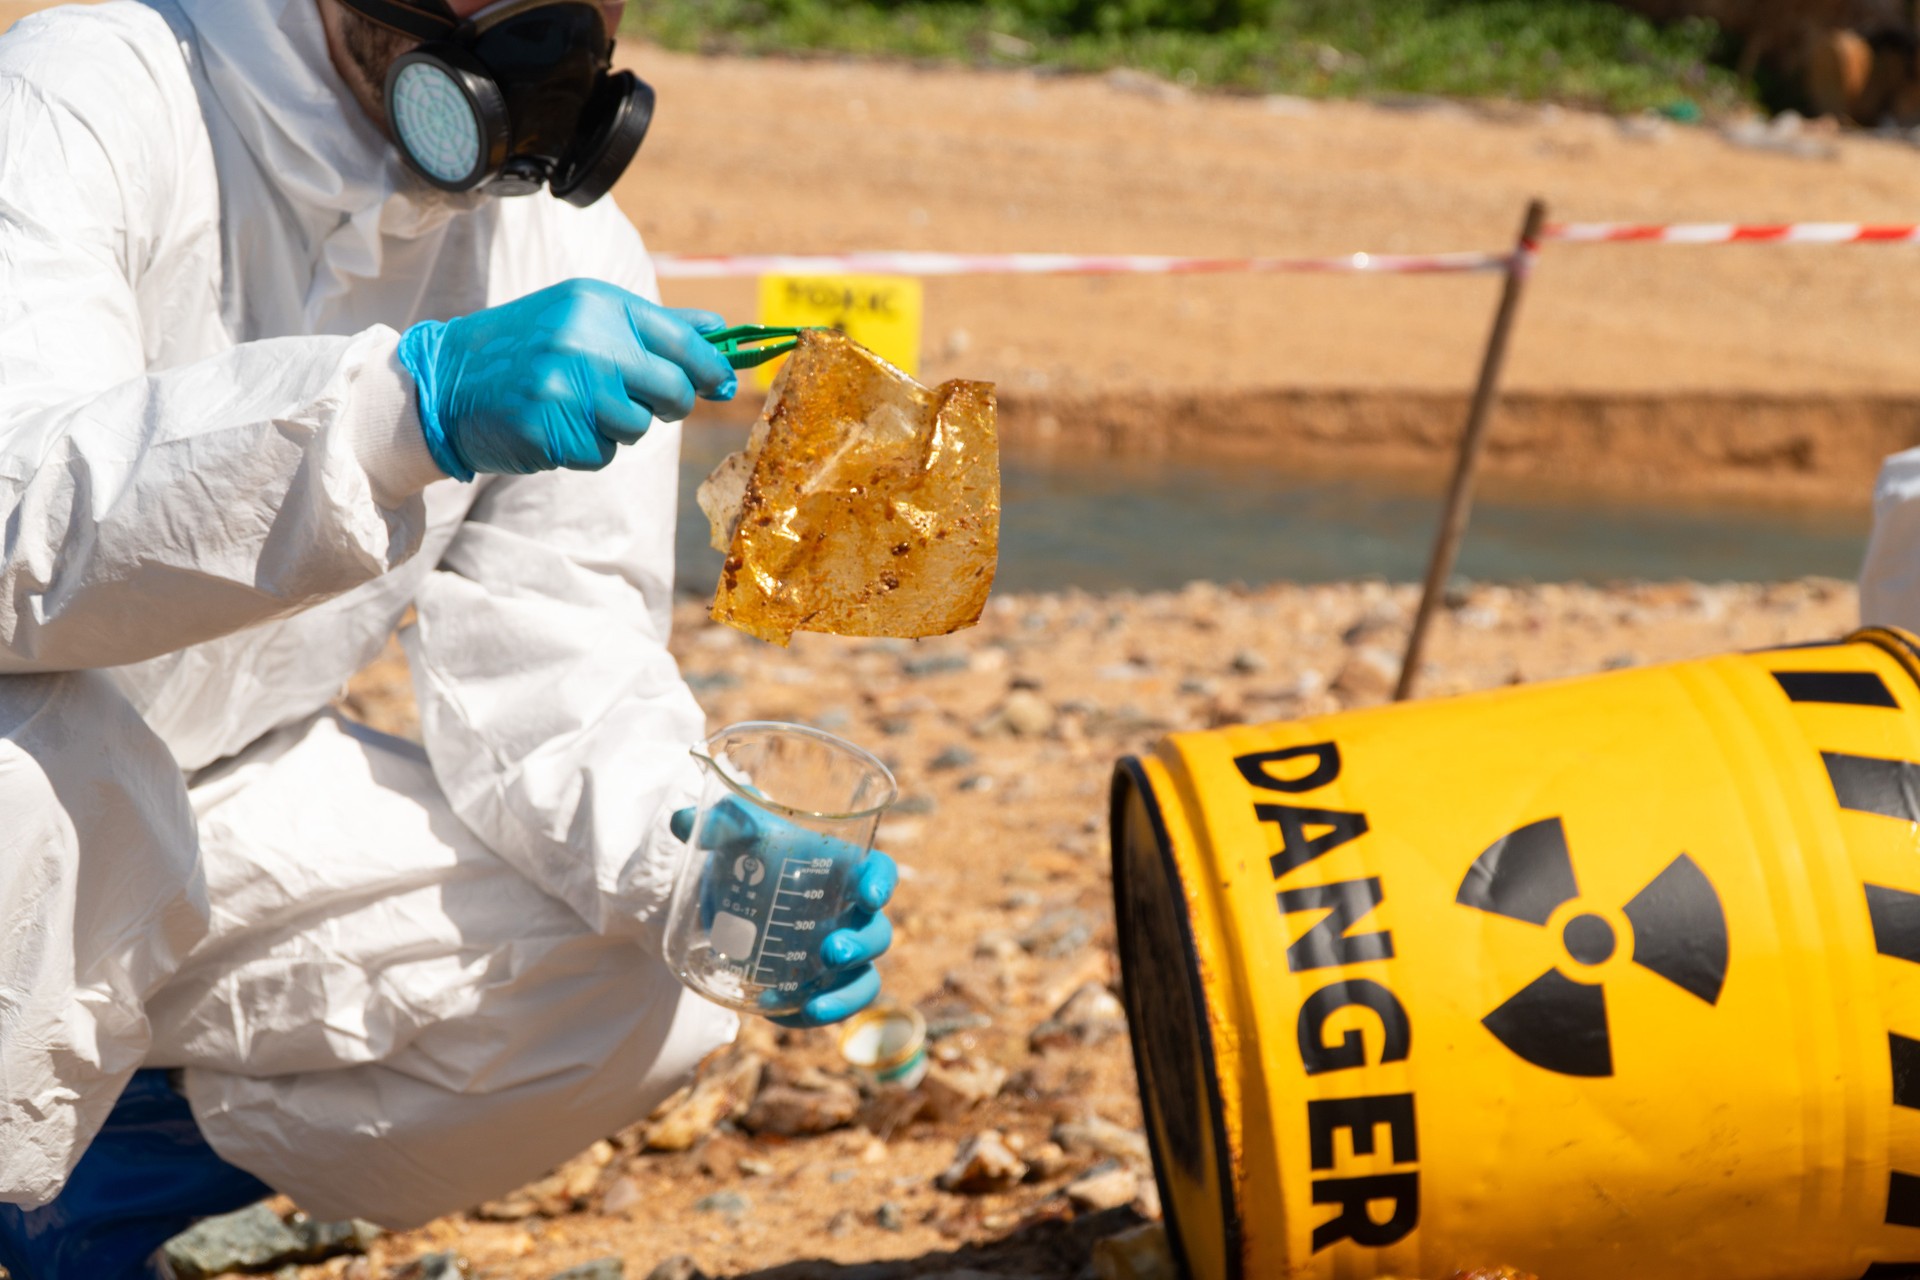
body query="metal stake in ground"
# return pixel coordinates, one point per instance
(1453, 522)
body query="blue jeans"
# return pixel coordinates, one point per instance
(148, 1176)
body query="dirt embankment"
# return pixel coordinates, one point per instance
(1803, 450)
(846, 156)
(1816, 450)
(1761, 371)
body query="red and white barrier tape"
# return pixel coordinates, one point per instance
(673, 266)
(1731, 233)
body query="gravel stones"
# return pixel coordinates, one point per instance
(1140, 1254)
(953, 1090)
(1383, 624)
(983, 1163)
(598, 1269)
(921, 665)
(623, 1195)
(563, 1191)
(723, 1093)
(679, 1267)
(796, 1110)
(1368, 676)
(1249, 662)
(1046, 1161)
(1106, 1187)
(1025, 714)
(1057, 934)
(1092, 1015)
(1097, 1136)
(730, 1205)
(256, 1238)
(953, 757)
(953, 1017)
(1783, 135)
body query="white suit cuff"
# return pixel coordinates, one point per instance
(645, 885)
(383, 423)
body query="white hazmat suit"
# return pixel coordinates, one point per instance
(398, 981)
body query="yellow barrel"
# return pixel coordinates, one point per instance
(1614, 977)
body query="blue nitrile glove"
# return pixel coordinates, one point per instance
(558, 378)
(852, 943)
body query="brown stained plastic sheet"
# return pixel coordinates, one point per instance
(863, 505)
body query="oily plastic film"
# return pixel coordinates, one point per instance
(863, 505)
(1612, 977)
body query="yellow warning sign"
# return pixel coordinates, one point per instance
(881, 313)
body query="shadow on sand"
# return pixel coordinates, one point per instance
(1040, 1249)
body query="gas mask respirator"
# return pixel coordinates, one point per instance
(518, 96)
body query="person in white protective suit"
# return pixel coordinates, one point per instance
(278, 363)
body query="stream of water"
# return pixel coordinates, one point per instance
(1151, 525)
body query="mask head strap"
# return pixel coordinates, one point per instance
(422, 22)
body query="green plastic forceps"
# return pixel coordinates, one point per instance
(733, 343)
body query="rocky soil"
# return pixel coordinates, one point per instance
(1021, 1152)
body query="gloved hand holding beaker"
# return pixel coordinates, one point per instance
(777, 908)
(559, 378)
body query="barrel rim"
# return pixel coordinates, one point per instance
(1898, 642)
(1129, 773)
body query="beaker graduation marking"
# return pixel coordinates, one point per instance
(793, 869)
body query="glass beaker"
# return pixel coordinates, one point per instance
(786, 816)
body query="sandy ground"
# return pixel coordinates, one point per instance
(1005, 911)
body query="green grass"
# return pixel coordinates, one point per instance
(1577, 52)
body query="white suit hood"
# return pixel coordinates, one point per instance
(269, 69)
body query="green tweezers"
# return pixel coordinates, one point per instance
(733, 343)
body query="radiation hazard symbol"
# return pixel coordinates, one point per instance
(1557, 1022)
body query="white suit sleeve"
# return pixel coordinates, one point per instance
(144, 511)
(556, 720)
(1890, 579)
